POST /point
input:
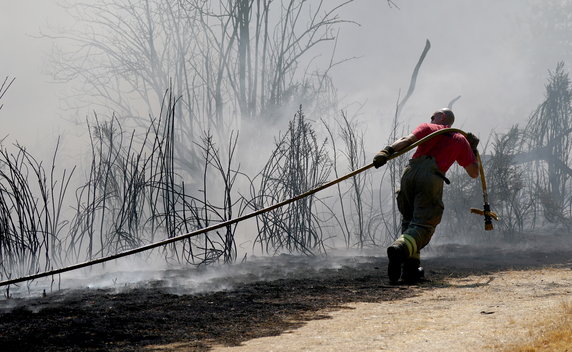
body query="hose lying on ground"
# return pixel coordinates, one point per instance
(231, 221)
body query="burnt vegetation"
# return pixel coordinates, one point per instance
(527, 168)
(203, 71)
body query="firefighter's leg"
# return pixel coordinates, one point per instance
(396, 253)
(427, 212)
(405, 207)
(419, 202)
(405, 197)
(427, 208)
(412, 269)
(406, 251)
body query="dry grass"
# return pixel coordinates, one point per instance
(553, 334)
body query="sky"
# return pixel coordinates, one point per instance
(481, 50)
(32, 112)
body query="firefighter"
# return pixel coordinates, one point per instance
(420, 198)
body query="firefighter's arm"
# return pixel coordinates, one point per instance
(472, 170)
(382, 156)
(404, 142)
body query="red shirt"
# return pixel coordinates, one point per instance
(445, 148)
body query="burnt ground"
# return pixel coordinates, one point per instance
(155, 313)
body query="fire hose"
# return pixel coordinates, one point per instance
(486, 212)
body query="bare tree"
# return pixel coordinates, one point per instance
(124, 54)
(507, 182)
(351, 216)
(31, 201)
(220, 57)
(548, 135)
(4, 87)
(297, 164)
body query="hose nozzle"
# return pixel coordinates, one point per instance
(488, 214)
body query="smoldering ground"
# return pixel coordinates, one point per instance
(196, 309)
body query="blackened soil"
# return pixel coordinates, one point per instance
(107, 320)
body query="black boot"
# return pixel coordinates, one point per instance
(412, 271)
(396, 254)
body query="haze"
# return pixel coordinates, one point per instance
(495, 55)
(484, 51)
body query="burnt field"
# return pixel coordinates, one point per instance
(263, 297)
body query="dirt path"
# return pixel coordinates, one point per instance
(475, 313)
(476, 299)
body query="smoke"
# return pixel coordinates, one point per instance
(136, 272)
(487, 52)
(484, 51)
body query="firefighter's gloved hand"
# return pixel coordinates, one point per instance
(381, 157)
(473, 141)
